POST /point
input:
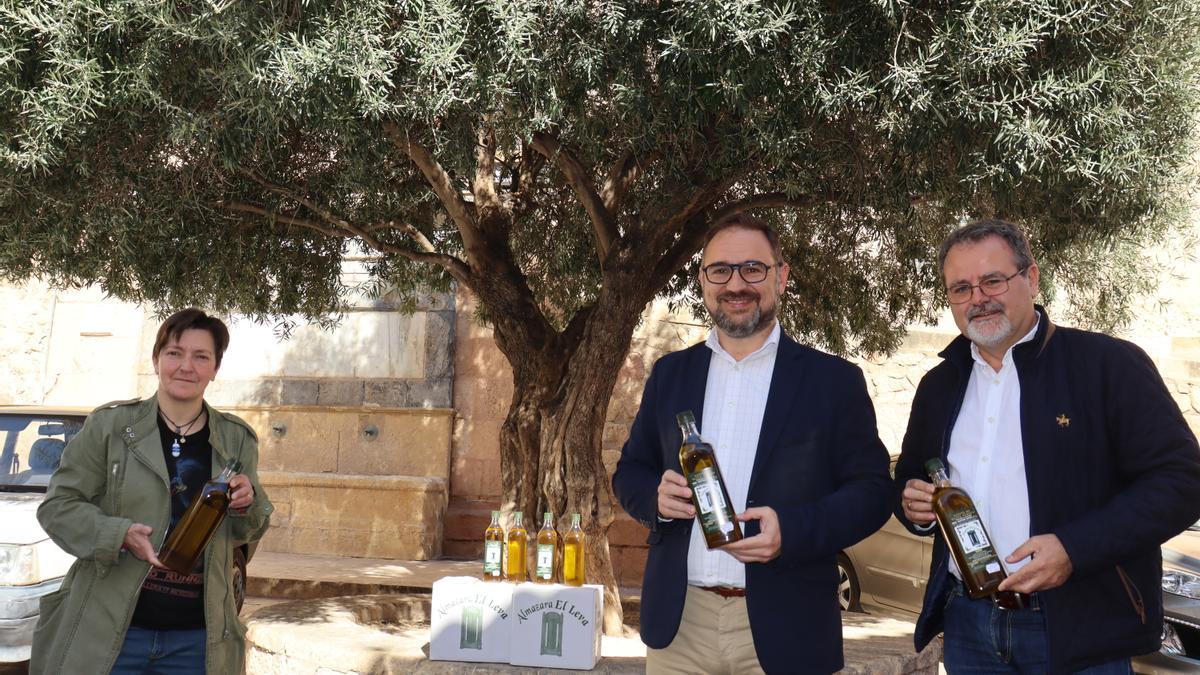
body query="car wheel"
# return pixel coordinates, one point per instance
(849, 592)
(238, 577)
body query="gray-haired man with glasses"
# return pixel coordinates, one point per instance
(1077, 458)
(794, 433)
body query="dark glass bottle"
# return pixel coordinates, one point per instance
(198, 524)
(968, 540)
(713, 506)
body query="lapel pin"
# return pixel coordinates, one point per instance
(1063, 420)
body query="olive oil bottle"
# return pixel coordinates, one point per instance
(968, 540)
(493, 550)
(713, 506)
(198, 524)
(573, 567)
(517, 552)
(547, 551)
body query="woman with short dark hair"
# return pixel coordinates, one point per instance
(123, 484)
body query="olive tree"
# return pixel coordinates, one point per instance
(561, 161)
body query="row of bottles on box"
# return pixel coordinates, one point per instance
(556, 559)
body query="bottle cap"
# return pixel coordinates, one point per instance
(547, 515)
(495, 514)
(685, 417)
(934, 465)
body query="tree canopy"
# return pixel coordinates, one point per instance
(205, 151)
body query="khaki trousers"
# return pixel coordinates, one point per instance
(713, 639)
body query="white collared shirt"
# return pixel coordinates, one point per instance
(987, 457)
(735, 399)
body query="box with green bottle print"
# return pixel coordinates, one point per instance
(556, 626)
(470, 620)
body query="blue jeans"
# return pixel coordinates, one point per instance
(161, 652)
(982, 639)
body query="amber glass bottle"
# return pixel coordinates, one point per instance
(968, 540)
(517, 553)
(547, 551)
(198, 524)
(493, 550)
(709, 496)
(573, 567)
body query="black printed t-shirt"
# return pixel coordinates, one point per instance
(169, 600)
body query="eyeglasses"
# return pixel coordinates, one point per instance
(751, 271)
(990, 286)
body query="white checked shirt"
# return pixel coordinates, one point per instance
(735, 398)
(987, 456)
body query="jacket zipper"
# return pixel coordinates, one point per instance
(1135, 596)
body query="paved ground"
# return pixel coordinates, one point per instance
(301, 621)
(279, 616)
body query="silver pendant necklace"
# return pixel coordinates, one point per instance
(180, 431)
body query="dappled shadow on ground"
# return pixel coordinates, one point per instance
(407, 608)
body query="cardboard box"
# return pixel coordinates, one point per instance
(556, 626)
(470, 620)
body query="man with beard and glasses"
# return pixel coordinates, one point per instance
(1077, 458)
(794, 433)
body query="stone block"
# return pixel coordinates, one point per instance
(466, 519)
(489, 477)
(432, 393)
(223, 392)
(386, 393)
(439, 343)
(348, 393)
(479, 357)
(461, 549)
(364, 345)
(327, 440)
(298, 392)
(479, 398)
(358, 516)
(294, 440)
(406, 443)
(478, 440)
(466, 480)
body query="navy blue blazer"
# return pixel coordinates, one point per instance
(819, 464)
(1112, 469)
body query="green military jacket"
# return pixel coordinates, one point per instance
(113, 475)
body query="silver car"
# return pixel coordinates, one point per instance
(31, 566)
(889, 570)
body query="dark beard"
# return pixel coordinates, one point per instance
(753, 324)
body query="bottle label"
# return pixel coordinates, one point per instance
(715, 514)
(545, 561)
(981, 557)
(492, 552)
